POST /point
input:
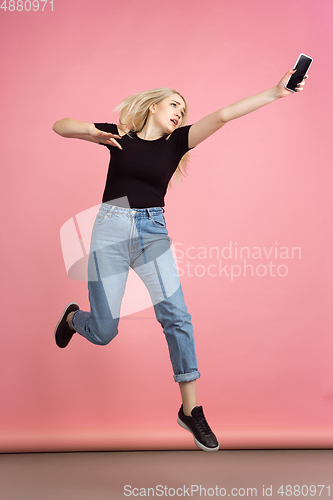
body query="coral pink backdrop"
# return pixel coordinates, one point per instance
(259, 193)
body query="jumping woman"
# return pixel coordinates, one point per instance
(148, 147)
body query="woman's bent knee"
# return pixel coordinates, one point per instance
(104, 338)
(103, 333)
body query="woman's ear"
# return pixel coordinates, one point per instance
(152, 108)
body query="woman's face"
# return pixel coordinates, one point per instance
(169, 113)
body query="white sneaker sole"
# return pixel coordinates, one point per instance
(199, 445)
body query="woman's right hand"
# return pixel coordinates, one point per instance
(68, 127)
(104, 137)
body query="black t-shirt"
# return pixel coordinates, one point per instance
(142, 169)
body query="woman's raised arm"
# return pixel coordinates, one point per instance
(213, 122)
(67, 127)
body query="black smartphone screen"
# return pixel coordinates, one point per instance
(302, 66)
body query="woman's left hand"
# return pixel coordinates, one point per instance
(282, 91)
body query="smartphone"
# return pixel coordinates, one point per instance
(302, 65)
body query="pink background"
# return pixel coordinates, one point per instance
(264, 343)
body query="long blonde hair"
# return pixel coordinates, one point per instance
(134, 111)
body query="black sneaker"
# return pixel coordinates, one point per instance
(204, 437)
(63, 333)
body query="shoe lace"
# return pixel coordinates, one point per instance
(202, 423)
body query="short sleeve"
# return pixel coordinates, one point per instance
(179, 138)
(107, 127)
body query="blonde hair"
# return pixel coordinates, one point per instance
(134, 111)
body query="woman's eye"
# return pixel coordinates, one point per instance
(174, 104)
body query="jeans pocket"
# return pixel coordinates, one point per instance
(158, 220)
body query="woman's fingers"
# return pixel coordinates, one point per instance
(300, 85)
(115, 143)
(109, 135)
(282, 91)
(108, 138)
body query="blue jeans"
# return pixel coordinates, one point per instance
(136, 238)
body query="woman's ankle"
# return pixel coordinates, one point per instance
(68, 319)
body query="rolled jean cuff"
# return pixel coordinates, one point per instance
(186, 377)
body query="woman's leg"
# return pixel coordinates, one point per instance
(108, 269)
(189, 396)
(155, 265)
(153, 261)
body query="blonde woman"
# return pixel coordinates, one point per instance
(148, 147)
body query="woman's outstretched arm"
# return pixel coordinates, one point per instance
(213, 122)
(67, 127)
